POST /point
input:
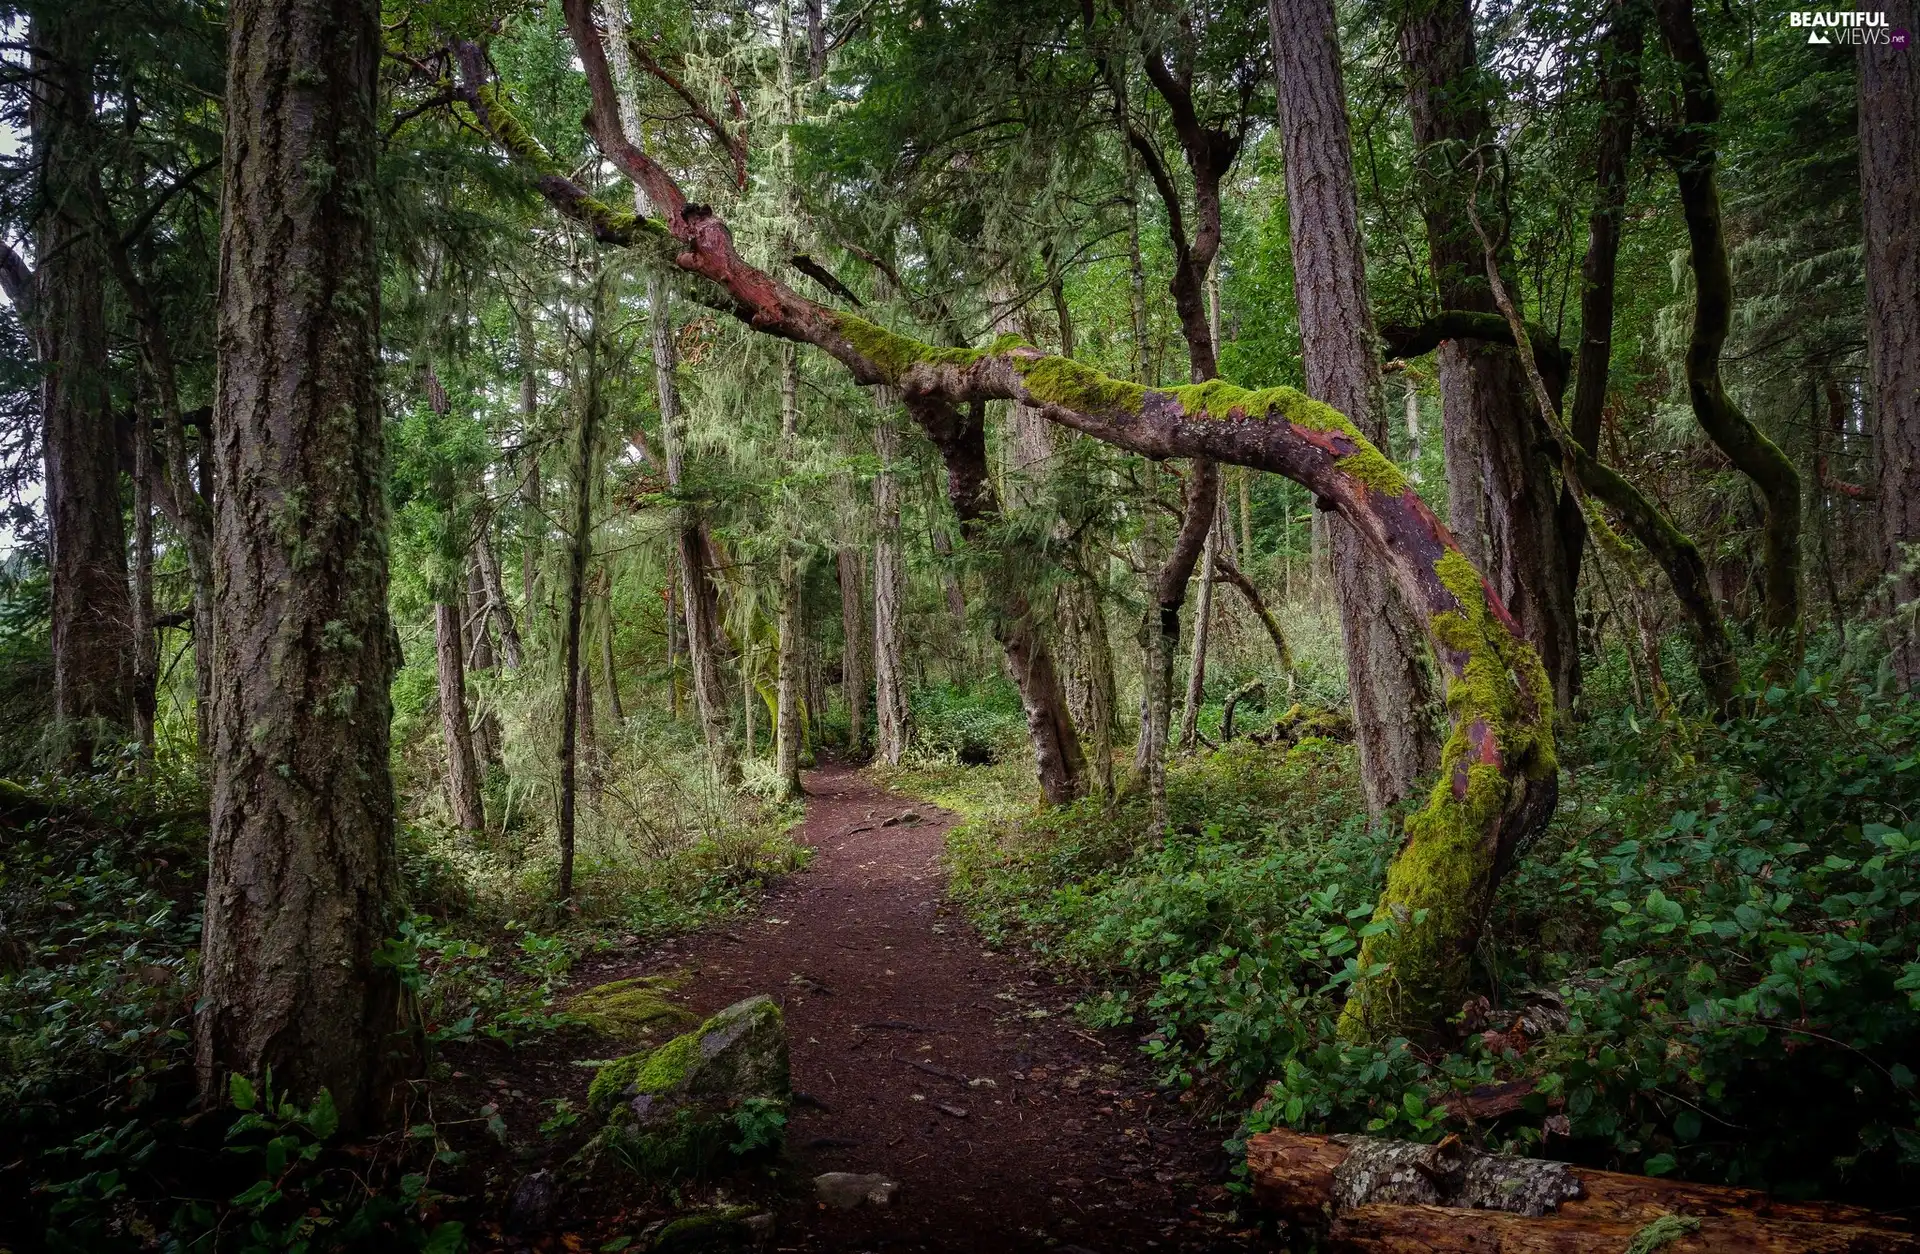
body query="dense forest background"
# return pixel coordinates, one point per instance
(465, 461)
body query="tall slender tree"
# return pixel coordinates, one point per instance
(1392, 698)
(303, 875)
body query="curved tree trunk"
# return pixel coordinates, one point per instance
(1392, 698)
(92, 610)
(1745, 445)
(303, 877)
(1889, 80)
(1498, 774)
(1499, 480)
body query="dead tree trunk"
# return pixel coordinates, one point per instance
(463, 765)
(1392, 697)
(303, 875)
(1889, 81)
(488, 565)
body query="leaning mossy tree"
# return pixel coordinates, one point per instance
(1498, 778)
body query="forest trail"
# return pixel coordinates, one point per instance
(950, 1069)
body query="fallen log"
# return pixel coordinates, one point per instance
(1373, 1194)
(1383, 1229)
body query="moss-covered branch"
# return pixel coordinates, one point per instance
(1498, 780)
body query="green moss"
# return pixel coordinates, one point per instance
(1438, 885)
(629, 1008)
(715, 1230)
(1662, 1232)
(1372, 468)
(649, 1071)
(895, 354)
(1064, 382)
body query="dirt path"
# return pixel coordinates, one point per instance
(953, 1070)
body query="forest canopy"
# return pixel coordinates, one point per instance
(1364, 548)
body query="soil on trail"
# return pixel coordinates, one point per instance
(923, 1057)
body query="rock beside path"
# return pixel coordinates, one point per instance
(719, 1090)
(844, 1190)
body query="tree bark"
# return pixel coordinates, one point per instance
(853, 632)
(787, 660)
(488, 564)
(1202, 630)
(1499, 482)
(960, 435)
(891, 729)
(463, 765)
(93, 621)
(579, 554)
(146, 643)
(1745, 445)
(480, 657)
(1889, 86)
(1392, 698)
(303, 876)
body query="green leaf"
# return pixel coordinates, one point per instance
(240, 1089)
(323, 1120)
(447, 1238)
(1660, 1164)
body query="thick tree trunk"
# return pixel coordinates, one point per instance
(1499, 482)
(1091, 700)
(1391, 696)
(1889, 80)
(92, 612)
(788, 659)
(303, 877)
(1745, 445)
(463, 764)
(890, 724)
(853, 632)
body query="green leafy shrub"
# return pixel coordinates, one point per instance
(970, 725)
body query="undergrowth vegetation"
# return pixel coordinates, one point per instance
(101, 880)
(1709, 964)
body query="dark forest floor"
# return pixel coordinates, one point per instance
(917, 1055)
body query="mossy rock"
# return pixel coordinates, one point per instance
(723, 1231)
(633, 1010)
(1313, 722)
(720, 1090)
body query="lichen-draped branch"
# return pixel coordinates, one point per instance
(1498, 779)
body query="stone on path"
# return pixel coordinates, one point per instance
(844, 1190)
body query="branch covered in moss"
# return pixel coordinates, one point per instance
(1498, 780)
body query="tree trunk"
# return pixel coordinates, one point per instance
(1889, 80)
(609, 670)
(146, 642)
(93, 620)
(1091, 699)
(961, 438)
(1202, 630)
(579, 554)
(788, 658)
(700, 609)
(480, 657)
(303, 876)
(1506, 509)
(853, 630)
(1392, 697)
(533, 503)
(890, 724)
(488, 564)
(1745, 445)
(463, 765)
